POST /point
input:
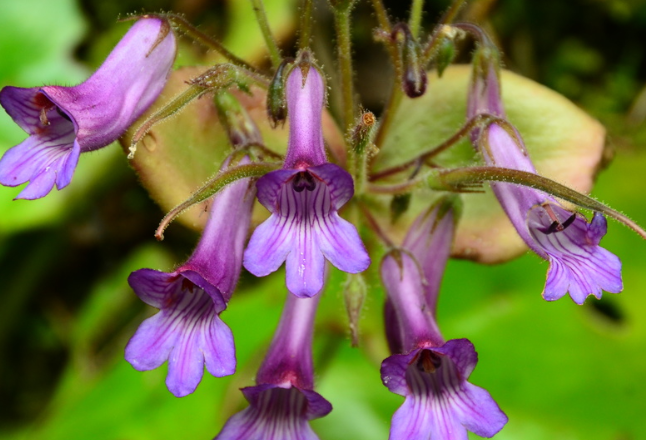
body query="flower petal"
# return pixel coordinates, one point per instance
(338, 181)
(63, 122)
(304, 228)
(45, 157)
(187, 331)
(577, 264)
(462, 353)
(418, 419)
(269, 245)
(305, 267)
(275, 413)
(440, 404)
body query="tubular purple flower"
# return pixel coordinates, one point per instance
(578, 264)
(188, 331)
(434, 230)
(283, 402)
(431, 374)
(304, 198)
(63, 122)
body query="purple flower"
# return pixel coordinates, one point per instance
(63, 122)
(440, 404)
(283, 402)
(430, 373)
(578, 264)
(188, 331)
(304, 197)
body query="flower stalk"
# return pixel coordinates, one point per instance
(212, 187)
(270, 41)
(342, 13)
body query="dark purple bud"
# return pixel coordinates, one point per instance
(414, 78)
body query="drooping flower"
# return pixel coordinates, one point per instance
(188, 331)
(430, 373)
(578, 265)
(304, 228)
(283, 401)
(63, 122)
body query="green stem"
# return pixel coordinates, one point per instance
(469, 178)
(306, 24)
(342, 24)
(177, 104)
(396, 94)
(261, 17)
(382, 15)
(480, 119)
(451, 179)
(361, 145)
(212, 187)
(219, 77)
(415, 17)
(374, 225)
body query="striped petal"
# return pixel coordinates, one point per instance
(304, 228)
(440, 404)
(276, 413)
(187, 331)
(578, 264)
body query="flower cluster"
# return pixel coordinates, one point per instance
(304, 195)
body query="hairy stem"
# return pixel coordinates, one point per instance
(305, 32)
(261, 17)
(342, 25)
(212, 187)
(415, 19)
(480, 119)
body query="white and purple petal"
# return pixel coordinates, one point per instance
(187, 331)
(440, 404)
(578, 265)
(305, 228)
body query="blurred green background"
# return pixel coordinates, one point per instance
(558, 370)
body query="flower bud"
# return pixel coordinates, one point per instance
(445, 55)
(414, 74)
(362, 133)
(276, 103)
(398, 206)
(354, 295)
